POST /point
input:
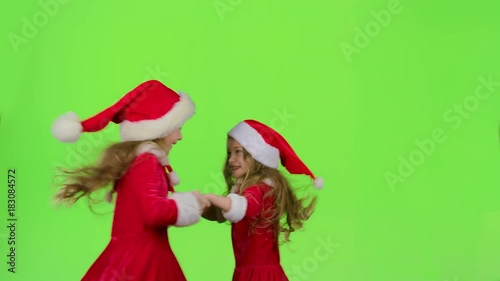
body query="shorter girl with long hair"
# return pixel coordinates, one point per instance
(261, 204)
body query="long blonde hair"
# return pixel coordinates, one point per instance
(289, 212)
(85, 181)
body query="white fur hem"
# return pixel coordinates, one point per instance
(188, 208)
(153, 129)
(239, 206)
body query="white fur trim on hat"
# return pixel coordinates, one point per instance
(188, 208)
(255, 144)
(153, 129)
(238, 209)
(67, 127)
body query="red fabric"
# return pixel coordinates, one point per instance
(139, 249)
(148, 101)
(255, 249)
(289, 159)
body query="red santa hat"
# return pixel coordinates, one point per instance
(149, 111)
(269, 148)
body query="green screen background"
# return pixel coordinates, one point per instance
(411, 184)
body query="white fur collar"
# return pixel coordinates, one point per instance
(154, 149)
(268, 181)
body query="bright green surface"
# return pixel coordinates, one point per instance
(354, 107)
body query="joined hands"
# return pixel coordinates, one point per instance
(202, 200)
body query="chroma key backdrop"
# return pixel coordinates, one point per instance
(395, 103)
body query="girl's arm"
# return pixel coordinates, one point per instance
(178, 209)
(234, 207)
(221, 202)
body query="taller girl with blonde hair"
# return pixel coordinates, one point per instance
(150, 118)
(261, 204)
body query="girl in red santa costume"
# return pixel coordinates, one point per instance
(261, 204)
(150, 118)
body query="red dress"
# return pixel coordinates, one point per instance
(256, 249)
(139, 249)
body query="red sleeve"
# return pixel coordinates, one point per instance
(255, 197)
(149, 179)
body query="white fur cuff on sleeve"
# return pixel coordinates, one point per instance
(188, 208)
(238, 208)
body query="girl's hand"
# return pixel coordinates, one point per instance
(209, 197)
(202, 200)
(220, 202)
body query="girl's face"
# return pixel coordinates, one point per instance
(171, 139)
(236, 159)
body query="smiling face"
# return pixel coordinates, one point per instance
(236, 159)
(171, 139)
